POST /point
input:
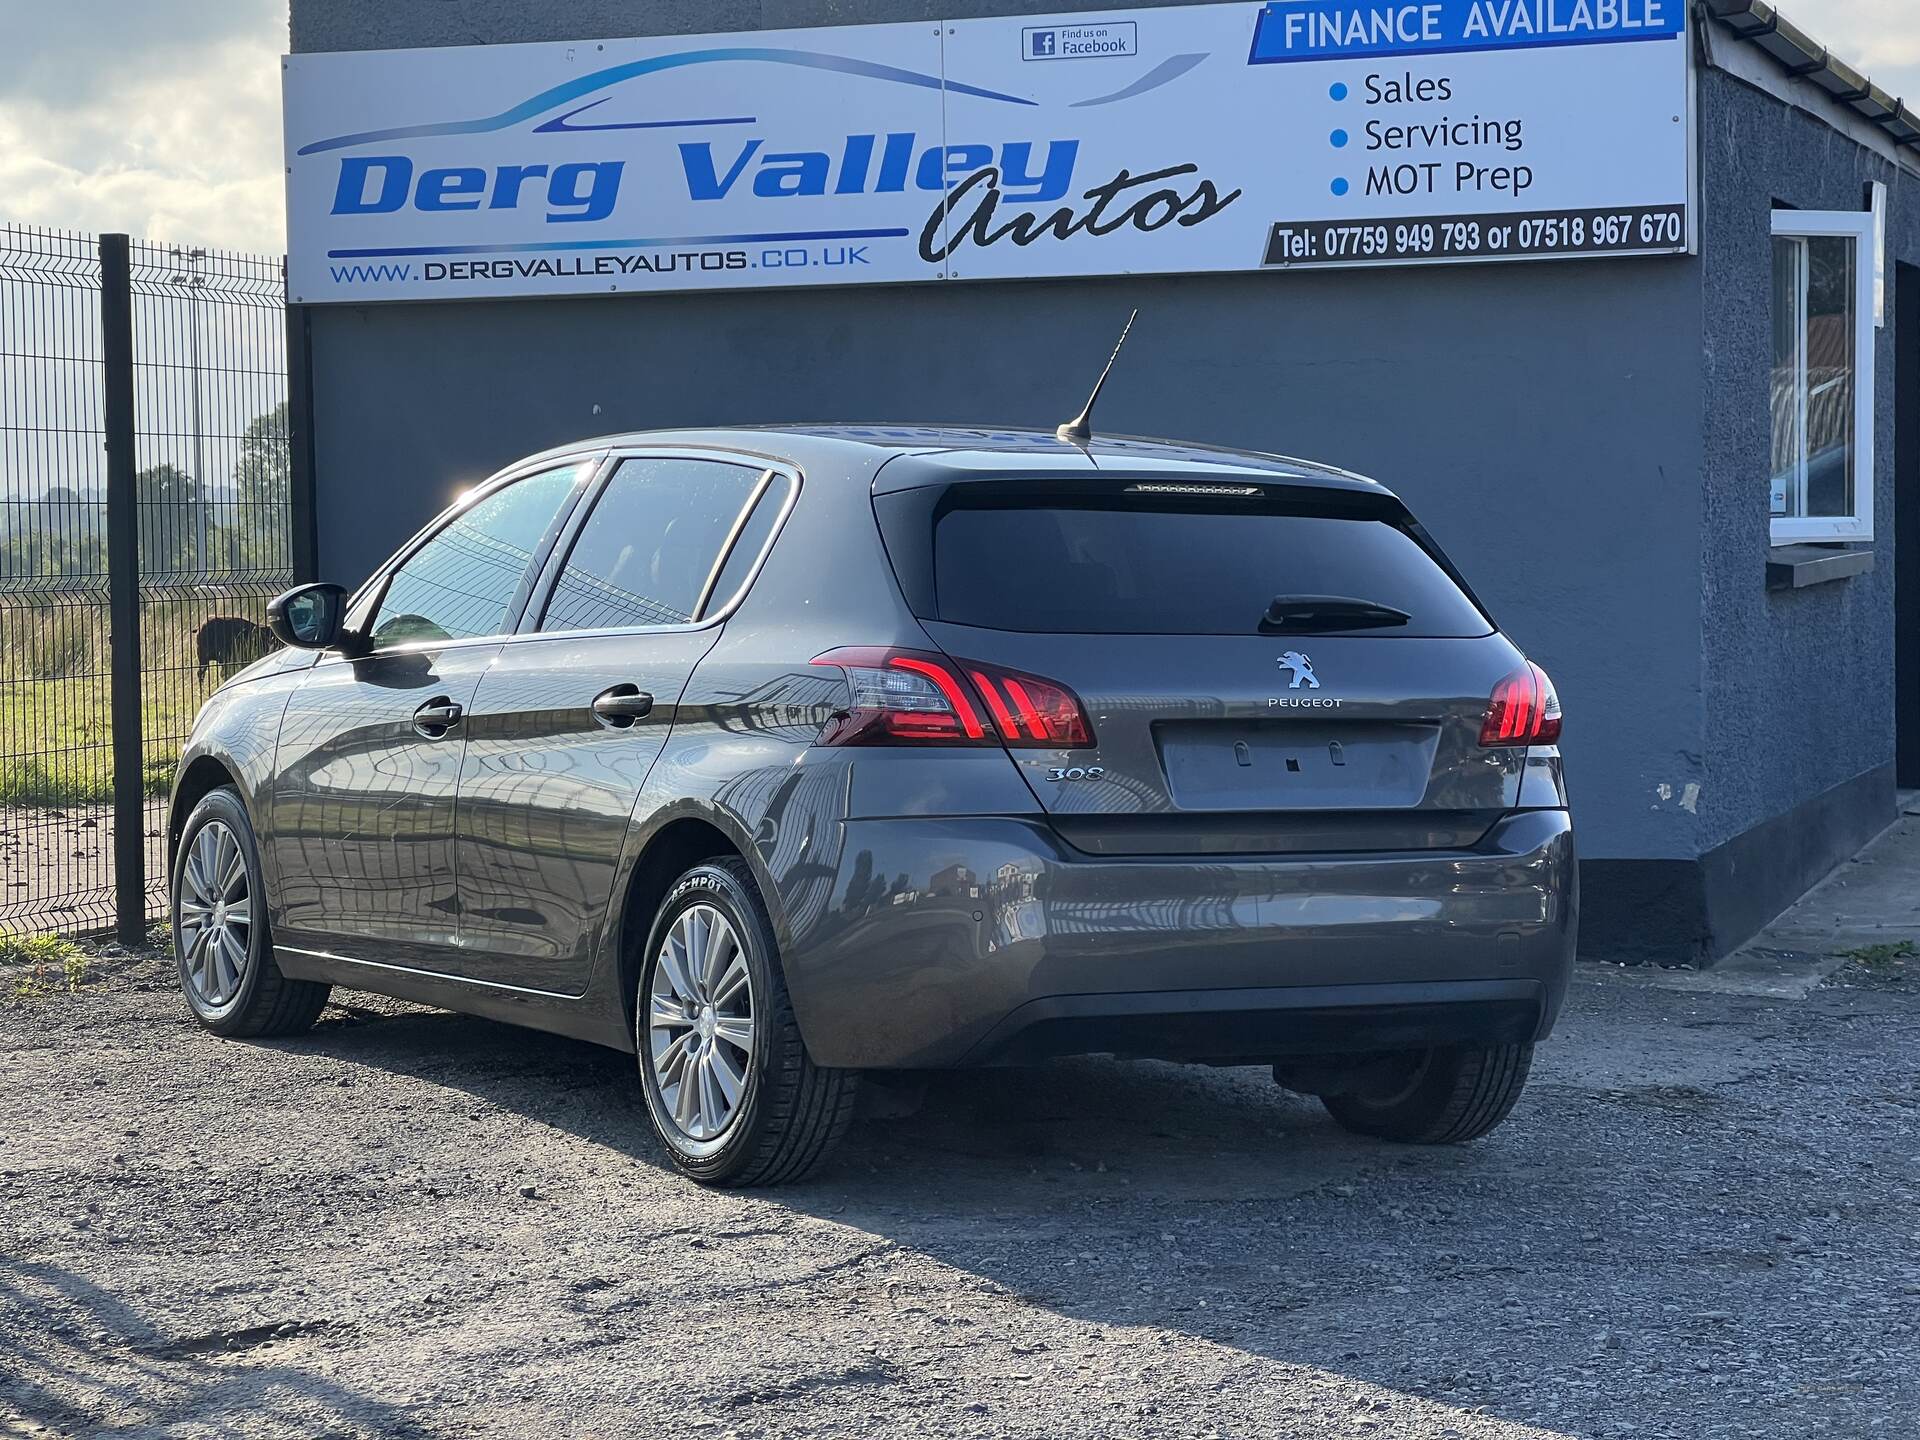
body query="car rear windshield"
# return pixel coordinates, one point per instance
(1090, 570)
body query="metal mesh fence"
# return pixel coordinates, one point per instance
(214, 540)
(56, 769)
(215, 514)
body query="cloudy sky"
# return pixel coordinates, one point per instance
(162, 117)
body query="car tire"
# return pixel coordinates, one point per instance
(1437, 1097)
(729, 1086)
(221, 943)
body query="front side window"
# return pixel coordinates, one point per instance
(1821, 481)
(647, 554)
(460, 584)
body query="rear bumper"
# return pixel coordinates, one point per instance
(949, 941)
(1256, 1026)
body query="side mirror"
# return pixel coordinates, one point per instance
(308, 617)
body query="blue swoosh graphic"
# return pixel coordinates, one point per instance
(558, 124)
(1165, 73)
(602, 79)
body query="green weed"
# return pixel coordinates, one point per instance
(1885, 957)
(45, 964)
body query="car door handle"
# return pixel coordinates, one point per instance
(620, 706)
(437, 717)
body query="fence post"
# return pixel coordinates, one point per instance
(123, 592)
(304, 520)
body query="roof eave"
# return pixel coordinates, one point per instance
(1799, 54)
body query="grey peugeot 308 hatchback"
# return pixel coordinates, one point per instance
(777, 756)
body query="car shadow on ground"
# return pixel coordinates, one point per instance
(96, 1361)
(1148, 1195)
(1166, 1132)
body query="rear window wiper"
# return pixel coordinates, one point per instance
(1293, 613)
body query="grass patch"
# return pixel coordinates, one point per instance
(81, 778)
(56, 706)
(1885, 957)
(41, 965)
(56, 737)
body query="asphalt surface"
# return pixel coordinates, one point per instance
(1702, 1220)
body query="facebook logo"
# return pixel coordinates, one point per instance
(1091, 41)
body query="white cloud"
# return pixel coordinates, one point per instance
(187, 151)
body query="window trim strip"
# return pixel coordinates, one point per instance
(725, 551)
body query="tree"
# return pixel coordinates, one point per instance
(167, 499)
(263, 493)
(51, 541)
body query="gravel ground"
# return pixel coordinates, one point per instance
(56, 864)
(1703, 1220)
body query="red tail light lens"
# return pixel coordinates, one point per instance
(1028, 710)
(1524, 710)
(910, 697)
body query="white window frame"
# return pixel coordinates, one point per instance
(1858, 226)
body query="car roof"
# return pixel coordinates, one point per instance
(954, 451)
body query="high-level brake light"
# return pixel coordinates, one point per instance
(1210, 491)
(912, 697)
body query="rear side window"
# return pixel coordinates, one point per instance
(646, 553)
(1168, 572)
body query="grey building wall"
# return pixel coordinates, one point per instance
(1554, 423)
(1799, 685)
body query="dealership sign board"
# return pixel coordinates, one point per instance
(1302, 133)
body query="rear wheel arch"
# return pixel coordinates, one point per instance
(780, 1113)
(670, 852)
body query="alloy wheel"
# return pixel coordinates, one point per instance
(700, 1023)
(216, 915)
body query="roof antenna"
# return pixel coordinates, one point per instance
(1079, 430)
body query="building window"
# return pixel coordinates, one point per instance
(1822, 391)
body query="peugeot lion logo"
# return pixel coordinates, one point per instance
(1302, 669)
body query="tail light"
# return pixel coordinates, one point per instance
(911, 697)
(1029, 710)
(1524, 710)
